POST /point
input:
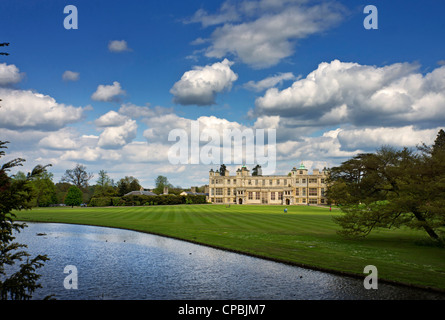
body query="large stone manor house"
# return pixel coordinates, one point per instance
(297, 188)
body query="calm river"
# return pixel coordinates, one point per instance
(120, 264)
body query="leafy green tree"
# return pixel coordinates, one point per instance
(73, 196)
(161, 182)
(106, 191)
(256, 170)
(104, 180)
(391, 188)
(15, 194)
(44, 190)
(439, 145)
(61, 191)
(104, 186)
(222, 169)
(128, 184)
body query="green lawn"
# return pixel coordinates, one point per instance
(305, 236)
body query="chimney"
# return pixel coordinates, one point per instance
(165, 190)
(193, 189)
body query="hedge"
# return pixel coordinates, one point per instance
(138, 200)
(105, 201)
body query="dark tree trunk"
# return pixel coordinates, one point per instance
(427, 228)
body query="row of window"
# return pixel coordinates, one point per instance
(312, 192)
(311, 201)
(270, 182)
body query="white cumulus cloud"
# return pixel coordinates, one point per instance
(25, 109)
(373, 138)
(108, 92)
(201, 85)
(110, 119)
(63, 139)
(118, 136)
(9, 74)
(344, 92)
(267, 30)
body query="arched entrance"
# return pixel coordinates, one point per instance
(240, 201)
(287, 202)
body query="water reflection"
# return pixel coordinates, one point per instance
(122, 264)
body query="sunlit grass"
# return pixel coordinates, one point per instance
(305, 235)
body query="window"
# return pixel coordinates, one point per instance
(219, 200)
(219, 191)
(313, 191)
(211, 191)
(313, 201)
(322, 192)
(250, 195)
(257, 196)
(270, 182)
(304, 192)
(249, 182)
(272, 196)
(312, 180)
(301, 172)
(303, 180)
(280, 195)
(256, 182)
(297, 192)
(285, 181)
(278, 182)
(297, 180)
(322, 180)
(264, 197)
(228, 191)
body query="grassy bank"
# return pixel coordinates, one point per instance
(305, 236)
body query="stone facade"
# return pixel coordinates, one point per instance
(297, 188)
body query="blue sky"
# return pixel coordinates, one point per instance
(308, 69)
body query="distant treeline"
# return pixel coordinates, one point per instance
(145, 200)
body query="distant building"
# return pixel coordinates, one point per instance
(298, 187)
(140, 192)
(193, 192)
